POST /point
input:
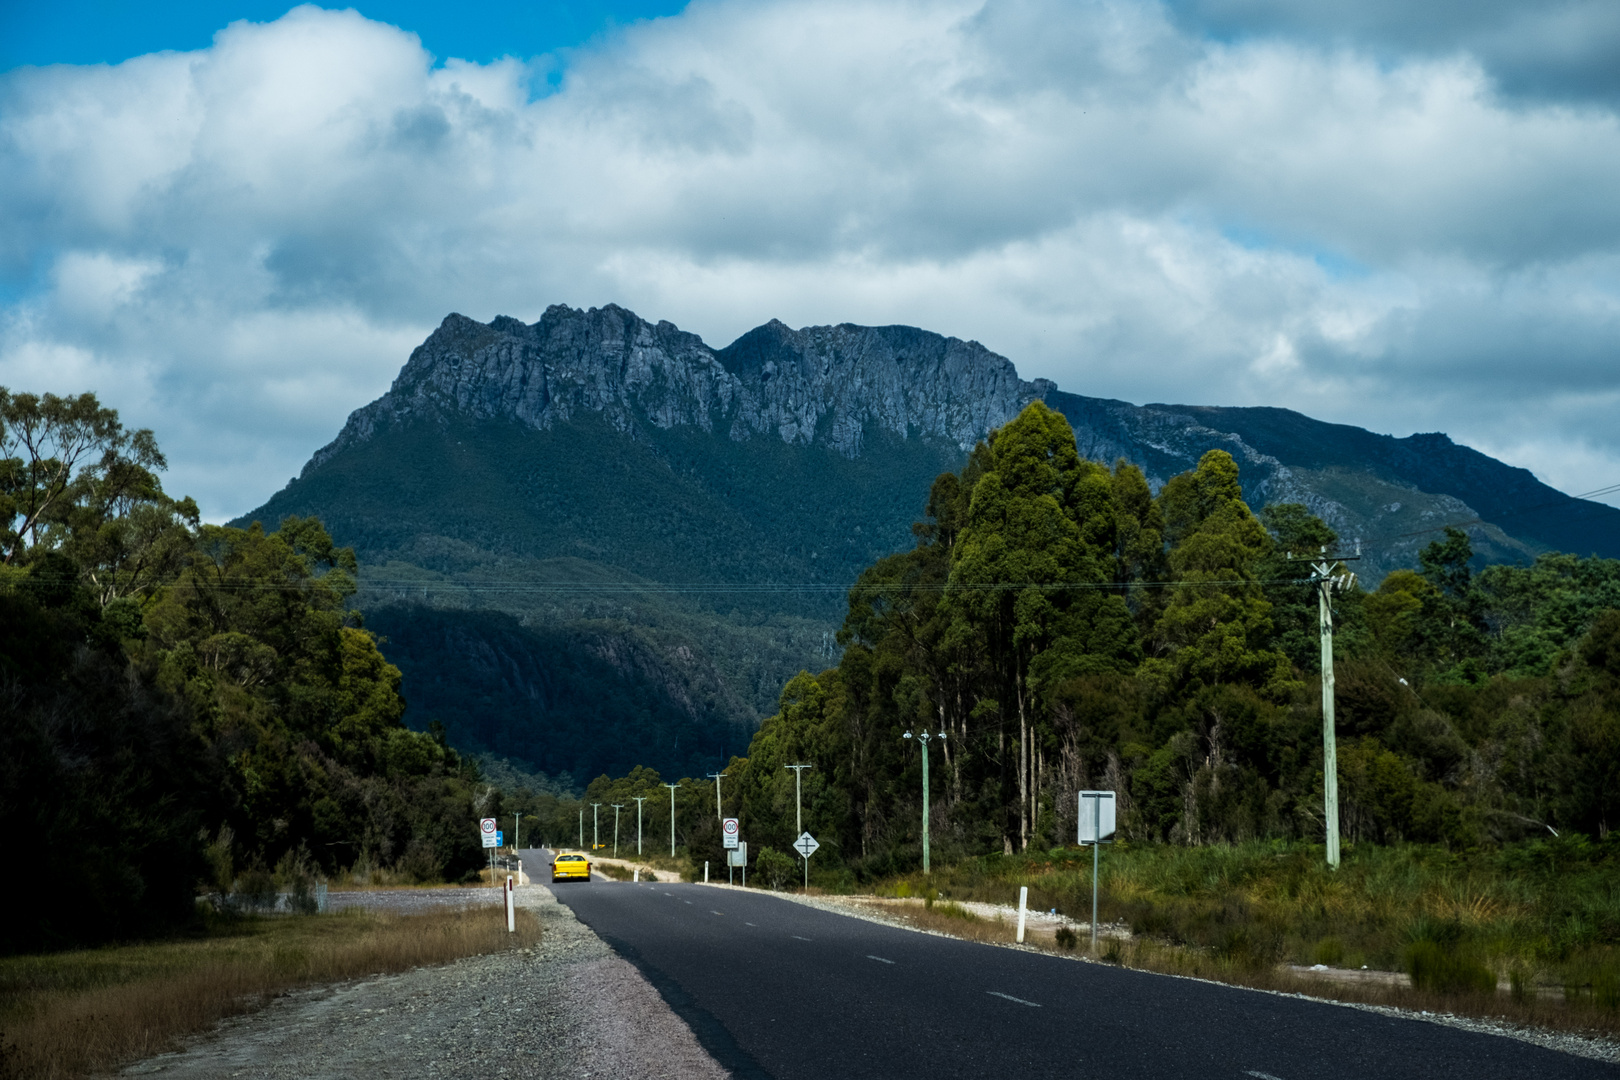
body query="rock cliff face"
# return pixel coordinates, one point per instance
(826, 384)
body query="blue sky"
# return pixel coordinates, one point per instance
(235, 222)
(106, 32)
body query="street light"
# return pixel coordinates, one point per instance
(639, 800)
(616, 808)
(925, 738)
(672, 788)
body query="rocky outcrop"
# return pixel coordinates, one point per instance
(826, 384)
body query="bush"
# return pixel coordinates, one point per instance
(1443, 969)
(1328, 951)
(776, 868)
(1066, 938)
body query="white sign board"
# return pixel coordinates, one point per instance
(728, 832)
(739, 857)
(1096, 817)
(805, 845)
(486, 829)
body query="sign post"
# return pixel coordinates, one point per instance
(491, 838)
(730, 839)
(806, 846)
(738, 856)
(1096, 826)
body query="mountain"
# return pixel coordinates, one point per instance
(596, 536)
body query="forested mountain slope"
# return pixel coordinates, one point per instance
(566, 473)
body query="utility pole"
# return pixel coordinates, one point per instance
(1326, 581)
(798, 801)
(639, 800)
(672, 788)
(582, 826)
(616, 808)
(924, 738)
(715, 776)
(595, 832)
(515, 829)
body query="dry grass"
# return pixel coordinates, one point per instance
(77, 1013)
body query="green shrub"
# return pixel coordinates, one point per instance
(1329, 951)
(775, 868)
(1066, 938)
(1443, 969)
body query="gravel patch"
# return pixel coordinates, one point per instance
(568, 1007)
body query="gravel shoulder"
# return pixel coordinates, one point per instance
(568, 1007)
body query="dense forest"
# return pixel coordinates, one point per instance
(188, 706)
(1066, 628)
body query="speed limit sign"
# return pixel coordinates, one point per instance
(729, 831)
(486, 829)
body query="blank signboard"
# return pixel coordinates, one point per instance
(1096, 816)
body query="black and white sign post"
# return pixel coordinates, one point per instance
(1096, 828)
(731, 840)
(806, 846)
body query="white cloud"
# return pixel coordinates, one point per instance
(240, 245)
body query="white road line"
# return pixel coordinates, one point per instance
(1261, 1076)
(879, 959)
(686, 901)
(801, 938)
(714, 912)
(750, 924)
(1009, 997)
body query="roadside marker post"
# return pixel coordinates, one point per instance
(1096, 829)
(1023, 904)
(511, 916)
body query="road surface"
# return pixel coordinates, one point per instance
(778, 989)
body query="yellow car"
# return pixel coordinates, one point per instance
(570, 867)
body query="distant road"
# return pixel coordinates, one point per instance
(777, 989)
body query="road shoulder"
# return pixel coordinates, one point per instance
(566, 1007)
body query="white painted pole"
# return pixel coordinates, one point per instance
(511, 916)
(705, 871)
(1023, 901)
(1096, 849)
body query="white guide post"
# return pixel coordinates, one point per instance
(1023, 902)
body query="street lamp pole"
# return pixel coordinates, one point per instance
(582, 826)
(596, 832)
(616, 808)
(925, 738)
(672, 788)
(639, 800)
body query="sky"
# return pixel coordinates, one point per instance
(233, 221)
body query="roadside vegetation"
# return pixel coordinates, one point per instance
(81, 1012)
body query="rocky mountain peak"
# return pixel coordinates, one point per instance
(819, 384)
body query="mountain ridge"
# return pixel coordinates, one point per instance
(555, 486)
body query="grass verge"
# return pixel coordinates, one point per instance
(73, 1014)
(1529, 932)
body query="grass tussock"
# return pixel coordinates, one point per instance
(72, 1014)
(1531, 931)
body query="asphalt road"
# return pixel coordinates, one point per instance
(777, 989)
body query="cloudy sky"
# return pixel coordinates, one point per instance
(234, 221)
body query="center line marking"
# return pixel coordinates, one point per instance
(1261, 1075)
(801, 938)
(1009, 997)
(748, 924)
(714, 912)
(879, 959)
